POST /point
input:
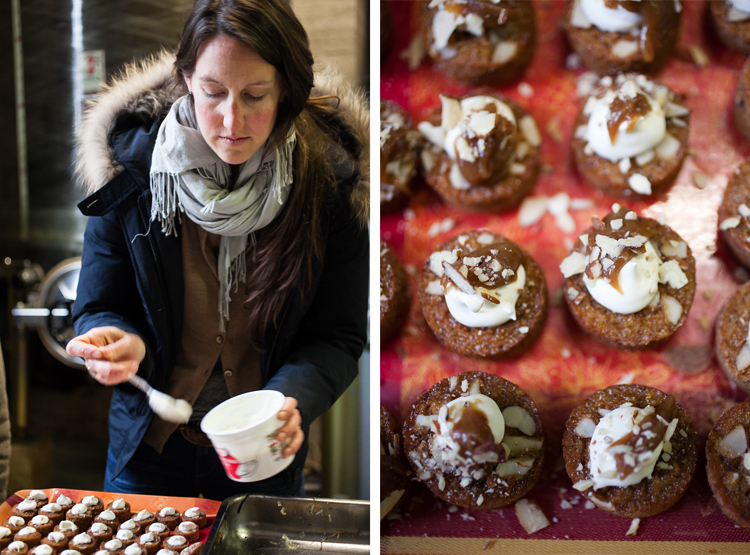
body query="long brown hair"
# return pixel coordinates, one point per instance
(283, 252)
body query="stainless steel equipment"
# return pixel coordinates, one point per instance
(261, 525)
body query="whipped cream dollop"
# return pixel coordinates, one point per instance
(113, 545)
(143, 515)
(167, 511)
(99, 528)
(40, 520)
(478, 134)
(741, 5)
(27, 531)
(119, 504)
(83, 538)
(56, 537)
(16, 546)
(42, 549)
(617, 19)
(626, 445)
(37, 495)
(475, 311)
(133, 549)
(148, 537)
(67, 525)
(176, 541)
(129, 524)
(643, 129)
(107, 515)
(187, 527)
(64, 500)
(157, 528)
(193, 512)
(26, 505)
(16, 521)
(51, 508)
(482, 285)
(4, 532)
(457, 119)
(621, 268)
(124, 535)
(91, 500)
(638, 282)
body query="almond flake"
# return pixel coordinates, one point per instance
(700, 180)
(529, 130)
(530, 516)
(640, 184)
(504, 52)
(633, 527)
(624, 48)
(729, 223)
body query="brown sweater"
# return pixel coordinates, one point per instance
(202, 344)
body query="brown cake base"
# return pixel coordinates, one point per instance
(727, 476)
(594, 46)
(645, 328)
(472, 64)
(394, 474)
(649, 496)
(736, 193)
(501, 342)
(731, 335)
(742, 102)
(395, 293)
(493, 491)
(736, 35)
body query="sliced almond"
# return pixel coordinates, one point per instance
(673, 308)
(451, 113)
(531, 516)
(585, 428)
(516, 445)
(624, 48)
(668, 148)
(734, 444)
(513, 468)
(529, 130)
(504, 51)
(633, 530)
(532, 209)
(729, 223)
(743, 357)
(519, 418)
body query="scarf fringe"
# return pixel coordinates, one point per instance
(284, 175)
(236, 273)
(165, 202)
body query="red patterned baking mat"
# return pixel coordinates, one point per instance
(564, 366)
(151, 503)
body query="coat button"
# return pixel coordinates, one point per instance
(220, 339)
(228, 373)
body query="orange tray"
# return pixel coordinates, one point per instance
(151, 503)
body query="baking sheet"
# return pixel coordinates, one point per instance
(151, 503)
(265, 525)
(564, 366)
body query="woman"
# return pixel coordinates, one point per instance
(227, 248)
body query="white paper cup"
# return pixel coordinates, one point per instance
(241, 430)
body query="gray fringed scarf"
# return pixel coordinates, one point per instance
(187, 176)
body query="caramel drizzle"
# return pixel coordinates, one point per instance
(629, 228)
(650, 423)
(650, 12)
(473, 435)
(628, 110)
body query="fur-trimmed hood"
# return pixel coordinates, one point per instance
(147, 89)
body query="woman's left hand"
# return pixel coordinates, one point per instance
(291, 429)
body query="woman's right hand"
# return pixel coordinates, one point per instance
(111, 355)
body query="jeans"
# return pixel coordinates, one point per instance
(184, 469)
